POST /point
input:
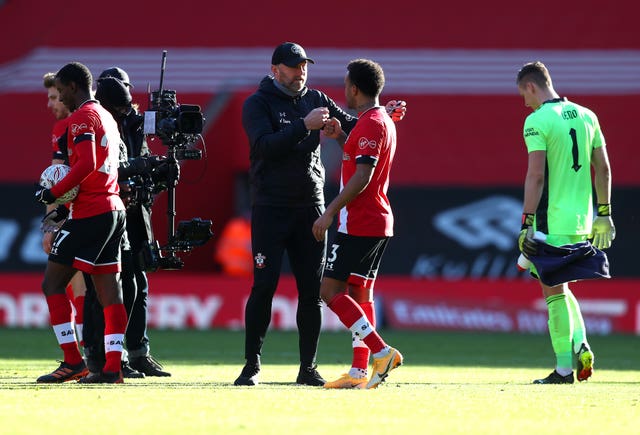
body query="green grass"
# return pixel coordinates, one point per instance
(450, 383)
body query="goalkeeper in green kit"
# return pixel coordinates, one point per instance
(564, 142)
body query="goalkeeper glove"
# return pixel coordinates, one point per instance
(526, 243)
(396, 109)
(44, 195)
(53, 220)
(602, 230)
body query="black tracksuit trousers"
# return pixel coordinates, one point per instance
(275, 230)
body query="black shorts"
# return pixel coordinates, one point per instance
(92, 244)
(355, 259)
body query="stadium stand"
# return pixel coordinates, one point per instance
(460, 145)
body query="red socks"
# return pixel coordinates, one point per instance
(354, 318)
(115, 323)
(78, 305)
(361, 353)
(60, 315)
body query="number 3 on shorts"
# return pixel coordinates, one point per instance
(334, 253)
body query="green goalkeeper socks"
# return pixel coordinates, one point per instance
(560, 330)
(579, 330)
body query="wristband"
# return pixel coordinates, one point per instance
(527, 220)
(604, 209)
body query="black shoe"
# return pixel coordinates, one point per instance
(94, 359)
(65, 372)
(147, 365)
(310, 376)
(556, 378)
(102, 378)
(129, 372)
(249, 375)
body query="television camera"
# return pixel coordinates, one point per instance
(178, 127)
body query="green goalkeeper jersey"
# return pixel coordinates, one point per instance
(568, 133)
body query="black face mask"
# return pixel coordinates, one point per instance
(123, 114)
(119, 115)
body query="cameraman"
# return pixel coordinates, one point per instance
(142, 173)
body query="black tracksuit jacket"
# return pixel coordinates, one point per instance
(286, 169)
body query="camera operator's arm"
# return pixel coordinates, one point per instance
(166, 171)
(265, 142)
(142, 165)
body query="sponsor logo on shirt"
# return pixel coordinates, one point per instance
(78, 128)
(531, 132)
(363, 142)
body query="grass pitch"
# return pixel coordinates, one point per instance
(450, 383)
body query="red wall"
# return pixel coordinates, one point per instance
(332, 23)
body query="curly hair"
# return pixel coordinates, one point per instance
(367, 76)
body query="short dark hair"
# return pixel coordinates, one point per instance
(49, 80)
(77, 73)
(367, 76)
(535, 72)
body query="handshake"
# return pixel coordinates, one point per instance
(320, 119)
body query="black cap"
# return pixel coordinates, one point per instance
(290, 54)
(118, 73)
(112, 93)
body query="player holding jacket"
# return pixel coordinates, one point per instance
(564, 142)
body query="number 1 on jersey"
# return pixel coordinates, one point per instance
(574, 149)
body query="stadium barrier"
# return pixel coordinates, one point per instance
(203, 301)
